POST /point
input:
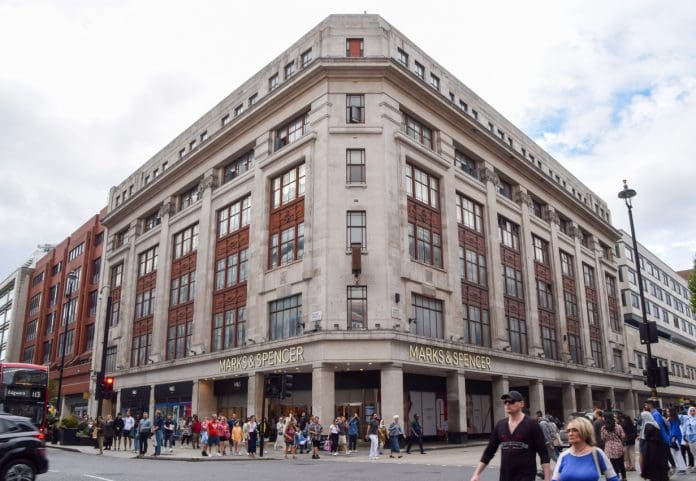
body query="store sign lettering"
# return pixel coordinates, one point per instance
(447, 357)
(274, 357)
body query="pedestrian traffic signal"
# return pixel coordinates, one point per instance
(273, 386)
(287, 386)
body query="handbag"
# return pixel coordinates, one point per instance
(601, 474)
(327, 445)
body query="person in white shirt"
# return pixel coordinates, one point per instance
(128, 423)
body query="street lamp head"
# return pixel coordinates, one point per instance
(626, 193)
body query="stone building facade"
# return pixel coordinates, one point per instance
(356, 216)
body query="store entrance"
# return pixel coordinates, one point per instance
(348, 410)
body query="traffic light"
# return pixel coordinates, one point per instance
(99, 387)
(273, 386)
(108, 387)
(650, 373)
(662, 376)
(287, 386)
(648, 332)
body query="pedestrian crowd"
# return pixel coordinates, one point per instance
(219, 436)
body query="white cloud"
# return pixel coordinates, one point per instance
(91, 90)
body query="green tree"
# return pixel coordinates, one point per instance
(692, 286)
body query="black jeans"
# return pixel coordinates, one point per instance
(143, 442)
(418, 439)
(352, 442)
(686, 452)
(618, 465)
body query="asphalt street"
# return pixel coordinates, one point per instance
(187, 465)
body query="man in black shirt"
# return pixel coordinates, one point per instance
(520, 439)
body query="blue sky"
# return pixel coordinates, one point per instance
(91, 90)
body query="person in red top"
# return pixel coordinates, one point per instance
(214, 436)
(196, 432)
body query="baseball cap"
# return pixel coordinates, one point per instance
(512, 395)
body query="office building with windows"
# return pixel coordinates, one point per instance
(354, 215)
(61, 308)
(668, 304)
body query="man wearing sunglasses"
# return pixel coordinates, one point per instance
(520, 439)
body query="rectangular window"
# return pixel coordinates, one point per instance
(50, 323)
(571, 304)
(517, 334)
(69, 311)
(548, 342)
(435, 81)
(140, 349)
(145, 303)
(285, 317)
(89, 337)
(234, 217)
(147, 261)
(538, 208)
(504, 188)
(355, 47)
(463, 106)
(273, 82)
(357, 307)
(588, 276)
(466, 164)
(239, 110)
(53, 295)
(564, 225)
(93, 296)
(31, 330)
(46, 352)
(477, 328)
(34, 304)
(422, 187)
(575, 348)
(37, 279)
(617, 356)
(68, 345)
(541, 250)
(472, 267)
(509, 233)
(229, 329)
(425, 245)
(192, 145)
(355, 166)
(186, 241)
(292, 131)
(231, 270)
(428, 317)
(592, 314)
(111, 353)
(596, 348)
(545, 295)
(288, 186)
(513, 282)
(289, 70)
(419, 70)
(253, 99)
(189, 197)
(226, 120)
(567, 265)
(116, 276)
(306, 57)
(76, 252)
(96, 270)
(238, 166)
(28, 356)
(151, 221)
(355, 109)
(356, 229)
(417, 131)
(179, 340)
(402, 57)
(469, 214)
(183, 289)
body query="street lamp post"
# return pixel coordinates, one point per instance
(627, 194)
(69, 289)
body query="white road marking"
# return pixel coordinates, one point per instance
(97, 477)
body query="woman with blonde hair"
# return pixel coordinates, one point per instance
(583, 461)
(395, 435)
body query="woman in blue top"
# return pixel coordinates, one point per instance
(583, 461)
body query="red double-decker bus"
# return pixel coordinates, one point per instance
(24, 391)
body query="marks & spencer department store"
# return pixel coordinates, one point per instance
(356, 216)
